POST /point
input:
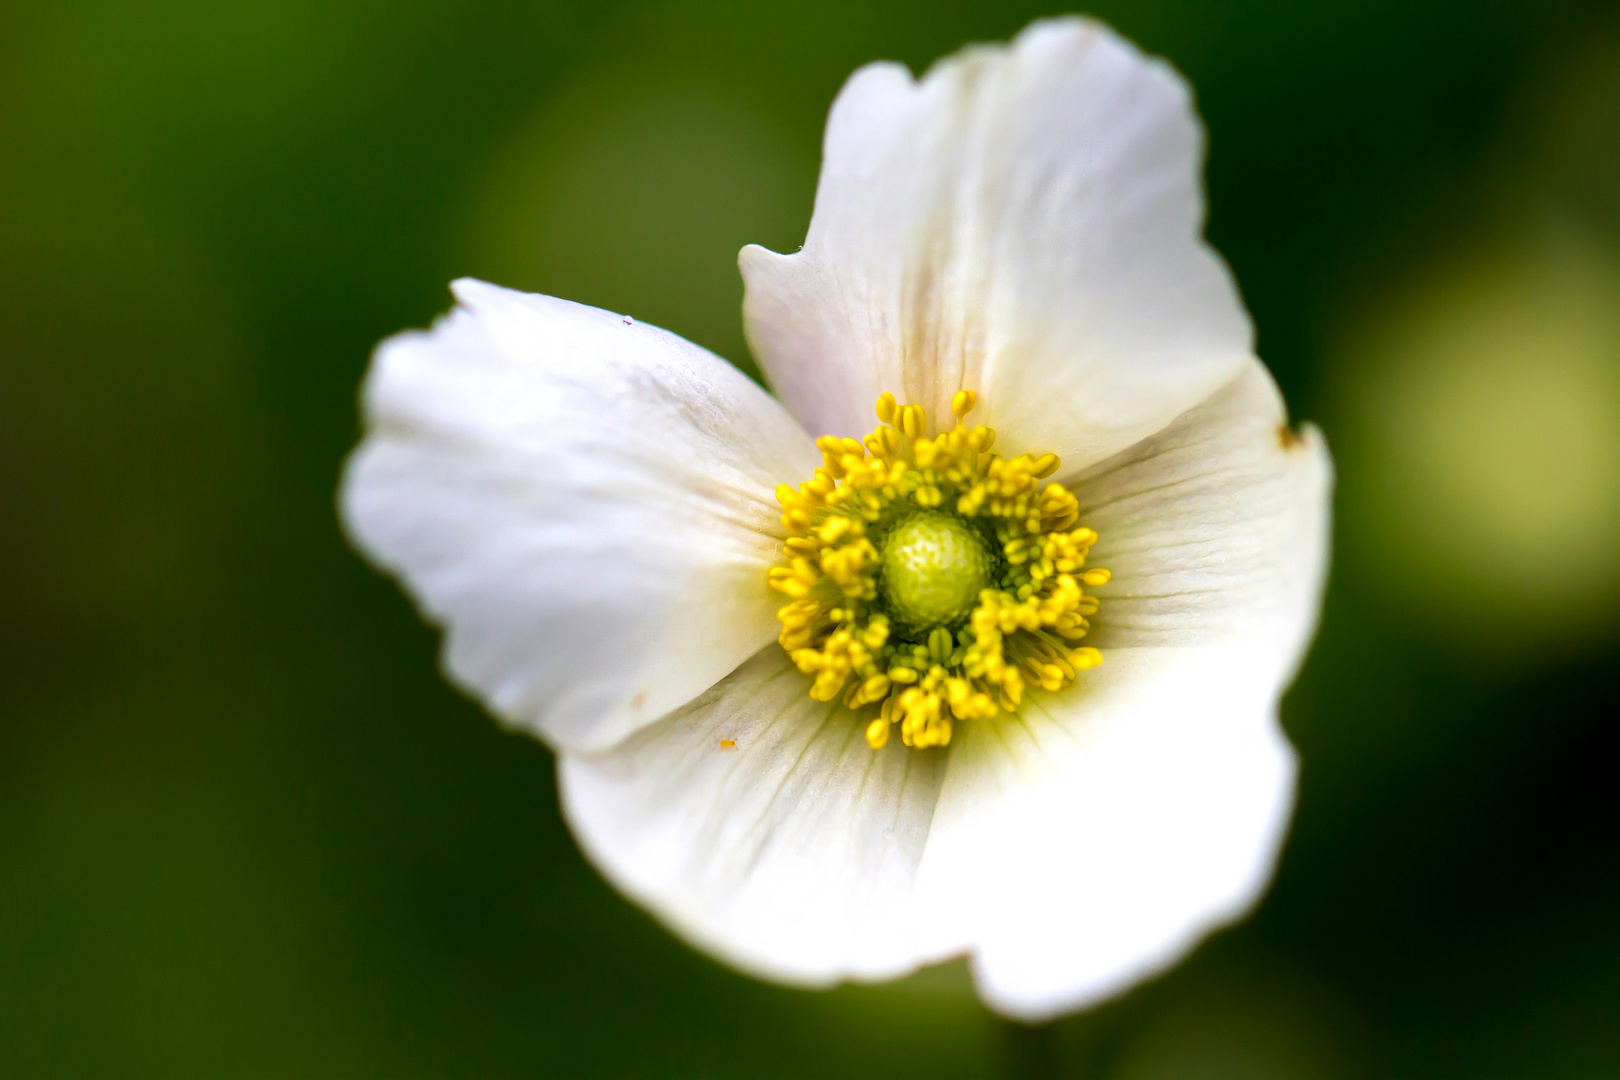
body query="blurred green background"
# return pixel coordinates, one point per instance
(245, 829)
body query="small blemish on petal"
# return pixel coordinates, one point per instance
(639, 700)
(728, 744)
(1289, 440)
(628, 321)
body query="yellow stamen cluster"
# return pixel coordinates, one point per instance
(839, 630)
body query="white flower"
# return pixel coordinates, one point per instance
(586, 504)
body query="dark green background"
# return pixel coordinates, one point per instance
(246, 830)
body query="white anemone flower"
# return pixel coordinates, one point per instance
(603, 518)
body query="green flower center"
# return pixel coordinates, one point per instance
(934, 565)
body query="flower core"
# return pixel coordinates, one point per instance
(932, 578)
(934, 567)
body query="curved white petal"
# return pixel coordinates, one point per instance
(1024, 221)
(1216, 530)
(584, 502)
(790, 854)
(1091, 840)
(1094, 838)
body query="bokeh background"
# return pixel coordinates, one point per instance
(246, 830)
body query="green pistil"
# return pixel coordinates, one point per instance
(934, 566)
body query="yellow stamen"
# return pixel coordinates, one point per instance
(931, 579)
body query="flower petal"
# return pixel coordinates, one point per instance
(1094, 838)
(1024, 221)
(1215, 530)
(790, 854)
(584, 502)
(1091, 840)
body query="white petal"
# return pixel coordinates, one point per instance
(1216, 529)
(1095, 838)
(1024, 221)
(584, 502)
(791, 854)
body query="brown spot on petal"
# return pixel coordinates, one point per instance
(1289, 440)
(639, 700)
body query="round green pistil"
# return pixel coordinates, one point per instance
(934, 566)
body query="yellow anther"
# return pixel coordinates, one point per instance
(876, 633)
(871, 690)
(1096, 577)
(962, 403)
(877, 733)
(886, 408)
(834, 527)
(913, 421)
(1046, 465)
